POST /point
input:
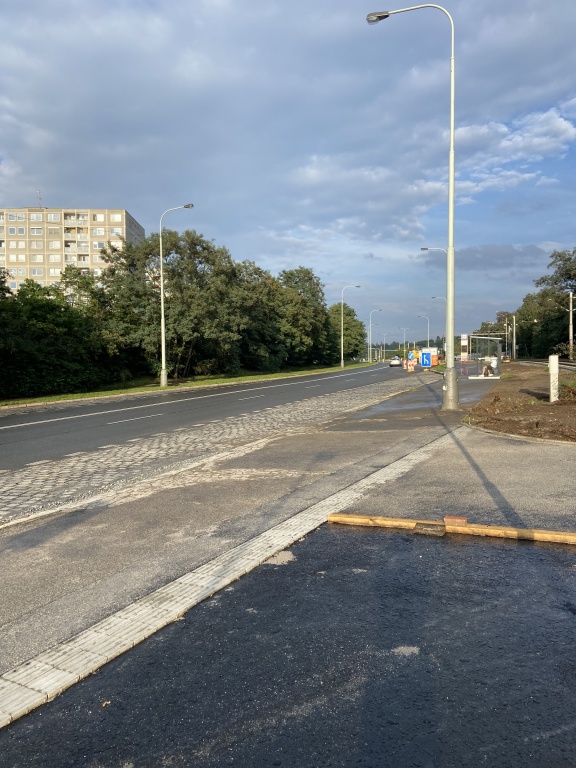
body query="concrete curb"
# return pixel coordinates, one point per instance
(40, 679)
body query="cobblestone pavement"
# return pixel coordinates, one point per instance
(86, 477)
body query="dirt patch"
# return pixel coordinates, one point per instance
(518, 404)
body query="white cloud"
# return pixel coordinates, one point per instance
(302, 135)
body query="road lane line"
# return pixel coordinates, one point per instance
(169, 402)
(136, 418)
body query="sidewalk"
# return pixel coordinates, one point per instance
(353, 646)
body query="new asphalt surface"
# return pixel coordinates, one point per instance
(361, 646)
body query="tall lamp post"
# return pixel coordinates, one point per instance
(370, 332)
(342, 324)
(450, 391)
(404, 343)
(163, 371)
(427, 318)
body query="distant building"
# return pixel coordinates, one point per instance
(39, 243)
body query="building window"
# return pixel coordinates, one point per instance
(1, 230)
(37, 258)
(11, 230)
(36, 230)
(117, 244)
(53, 243)
(55, 257)
(97, 217)
(37, 271)
(11, 217)
(36, 244)
(22, 272)
(21, 257)
(11, 243)
(97, 230)
(12, 257)
(70, 258)
(53, 230)
(97, 272)
(12, 271)
(82, 259)
(21, 231)
(53, 272)
(35, 217)
(19, 217)
(21, 243)
(115, 217)
(115, 231)
(53, 217)
(12, 286)
(97, 258)
(98, 245)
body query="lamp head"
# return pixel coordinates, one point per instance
(423, 249)
(188, 205)
(374, 18)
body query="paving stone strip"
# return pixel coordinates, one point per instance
(36, 681)
(85, 476)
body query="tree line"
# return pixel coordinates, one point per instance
(542, 320)
(222, 317)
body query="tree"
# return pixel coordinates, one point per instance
(48, 346)
(354, 329)
(305, 325)
(563, 279)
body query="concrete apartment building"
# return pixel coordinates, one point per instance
(39, 243)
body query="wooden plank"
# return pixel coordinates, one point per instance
(468, 529)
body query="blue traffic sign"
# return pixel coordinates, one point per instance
(426, 359)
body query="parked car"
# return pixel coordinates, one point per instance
(395, 362)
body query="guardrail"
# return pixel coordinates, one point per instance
(565, 365)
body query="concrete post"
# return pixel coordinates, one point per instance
(554, 368)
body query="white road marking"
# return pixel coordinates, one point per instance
(136, 418)
(172, 402)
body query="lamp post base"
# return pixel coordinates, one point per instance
(450, 390)
(164, 378)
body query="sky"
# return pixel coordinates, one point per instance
(306, 137)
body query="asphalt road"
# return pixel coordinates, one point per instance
(52, 432)
(357, 647)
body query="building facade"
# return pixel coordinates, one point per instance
(39, 243)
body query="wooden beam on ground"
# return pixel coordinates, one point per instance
(455, 525)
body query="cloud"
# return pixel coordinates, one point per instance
(492, 258)
(302, 135)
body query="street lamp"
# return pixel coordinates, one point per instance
(448, 376)
(384, 350)
(427, 318)
(450, 392)
(404, 343)
(342, 324)
(163, 371)
(370, 332)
